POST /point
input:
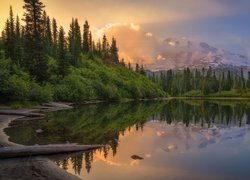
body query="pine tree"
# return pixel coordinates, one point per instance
(90, 42)
(94, 47)
(114, 52)
(137, 67)
(55, 37)
(63, 63)
(9, 42)
(123, 62)
(187, 80)
(74, 38)
(169, 81)
(78, 43)
(18, 56)
(223, 83)
(142, 70)
(71, 40)
(48, 37)
(248, 80)
(105, 47)
(35, 58)
(229, 81)
(99, 46)
(214, 83)
(86, 36)
(129, 66)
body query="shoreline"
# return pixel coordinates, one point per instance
(210, 98)
(33, 167)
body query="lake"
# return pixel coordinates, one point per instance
(177, 139)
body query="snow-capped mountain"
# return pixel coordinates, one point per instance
(180, 53)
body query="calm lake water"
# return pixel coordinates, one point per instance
(176, 139)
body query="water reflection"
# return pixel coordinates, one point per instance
(190, 138)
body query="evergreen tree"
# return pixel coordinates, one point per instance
(187, 80)
(9, 42)
(248, 80)
(35, 58)
(114, 52)
(63, 63)
(137, 67)
(18, 55)
(142, 70)
(86, 38)
(94, 49)
(214, 83)
(129, 66)
(223, 83)
(123, 62)
(105, 47)
(90, 42)
(48, 37)
(74, 37)
(99, 46)
(229, 81)
(54, 38)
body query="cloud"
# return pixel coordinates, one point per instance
(135, 45)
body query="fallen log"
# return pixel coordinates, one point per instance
(17, 113)
(38, 150)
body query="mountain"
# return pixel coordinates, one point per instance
(181, 53)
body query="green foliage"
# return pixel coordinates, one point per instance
(94, 80)
(16, 85)
(41, 94)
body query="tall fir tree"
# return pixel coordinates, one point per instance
(63, 63)
(105, 46)
(248, 80)
(137, 67)
(48, 37)
(114, 52)
(35, 58)
(55, 37)
(18, 56)
(90, 42)
(9, 41)
(74, 38)
(229, 81)
(86, 36)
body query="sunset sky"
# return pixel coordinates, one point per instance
(221, 23)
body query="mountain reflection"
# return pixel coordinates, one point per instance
(174, 127)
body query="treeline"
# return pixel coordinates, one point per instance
(201, 82)
(31, 45)
(40, 61)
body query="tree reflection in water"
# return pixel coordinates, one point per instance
(104, 124)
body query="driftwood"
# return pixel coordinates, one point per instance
(17, 113)
(37, 150)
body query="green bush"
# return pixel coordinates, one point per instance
(92, 80)
(41, 94)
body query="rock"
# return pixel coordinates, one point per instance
(136, 157)
(39, 131)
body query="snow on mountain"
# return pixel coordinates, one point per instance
(181, 53)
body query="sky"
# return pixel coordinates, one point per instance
(221, 23)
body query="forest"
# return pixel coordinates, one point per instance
(204, 82)
(40, 62)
